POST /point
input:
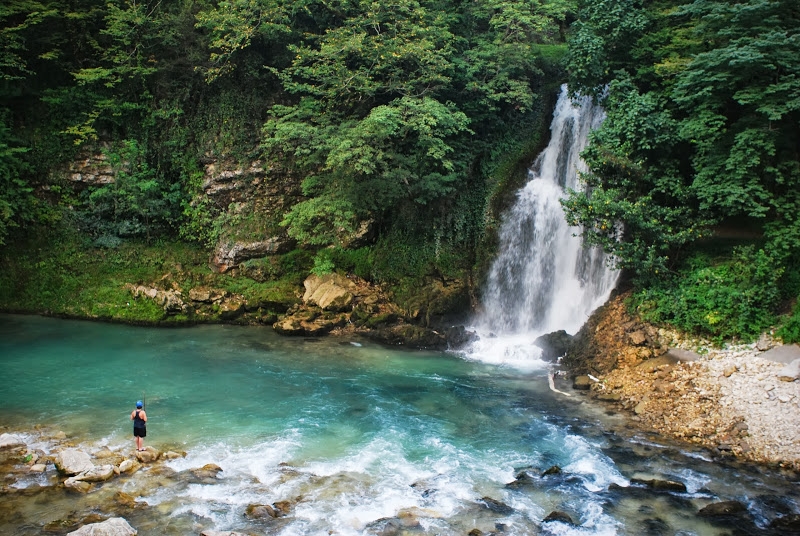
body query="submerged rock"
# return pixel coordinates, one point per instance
(661, 485)
(260, 511)
(559, 516)
(496, 506)
(554, 470)
(723, 508)
(78, 485)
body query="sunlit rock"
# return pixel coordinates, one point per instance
(148, 455)
(116, 526)
(73, 462)
(98, 473)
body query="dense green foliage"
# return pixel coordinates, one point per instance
(401, 127)
(702, 137)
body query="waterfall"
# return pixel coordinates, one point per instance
(544, 279)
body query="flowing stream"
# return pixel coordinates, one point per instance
(358, 438)
(544, 279)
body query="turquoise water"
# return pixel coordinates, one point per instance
(358, 437)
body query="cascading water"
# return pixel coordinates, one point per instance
(544, 279)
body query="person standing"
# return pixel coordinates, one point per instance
(139, 418)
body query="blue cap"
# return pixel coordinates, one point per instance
(139, 404)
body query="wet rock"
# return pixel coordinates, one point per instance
(172, 455)
(458, 336)
(125, 500)
(554, 470)
(282, 508)
(206, 474)
(221, 533)
(74, 484)
(522, 479)
(561, 517)
(38, 468)
(129, 466)
(788, 524)
(581, 383)
(116, 526)
(496, 506)
(661, 485)
(11, 441)
(73, 462)
(723, 508)
(553, 345)
(260, 511)
(148, 455)
(475, 532)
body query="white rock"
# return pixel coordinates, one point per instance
(790, 372)
(73, 462)
(10, 441)
(38, 468)
(98, 473)
(116, 526)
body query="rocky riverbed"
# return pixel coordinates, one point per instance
(740, 400)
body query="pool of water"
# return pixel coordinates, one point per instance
(357, 437)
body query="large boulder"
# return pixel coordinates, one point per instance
(73, 461)
(790, 372)
(116, 526)
(553, 345)
(331, 292)
(11, 441)
(782, 354)
(98, 473)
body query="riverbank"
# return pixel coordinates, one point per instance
(741, 400)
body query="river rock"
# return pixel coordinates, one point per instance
(496, 506)
(782, 354)
(723, 508)
(148, 455)
(554, 470)
(11, 441)
(98, 473)
(788, 524)
(221, 533)
(553, 345)
(581, 383)
(559, 516)
(260, 511)
(661, 485)
(116, 526)
(38, 468)
(790, 372)
(206, 474)
(129, 466)
(73, 462)
(78, 485)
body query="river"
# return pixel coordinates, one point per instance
(359, 438)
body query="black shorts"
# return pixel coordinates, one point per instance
(139, 432)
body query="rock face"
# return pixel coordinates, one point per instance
(73, 462)
(229, 255)
(116, 526)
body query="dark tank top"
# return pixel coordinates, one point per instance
(138, 422)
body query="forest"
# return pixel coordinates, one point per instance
(413, 120)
